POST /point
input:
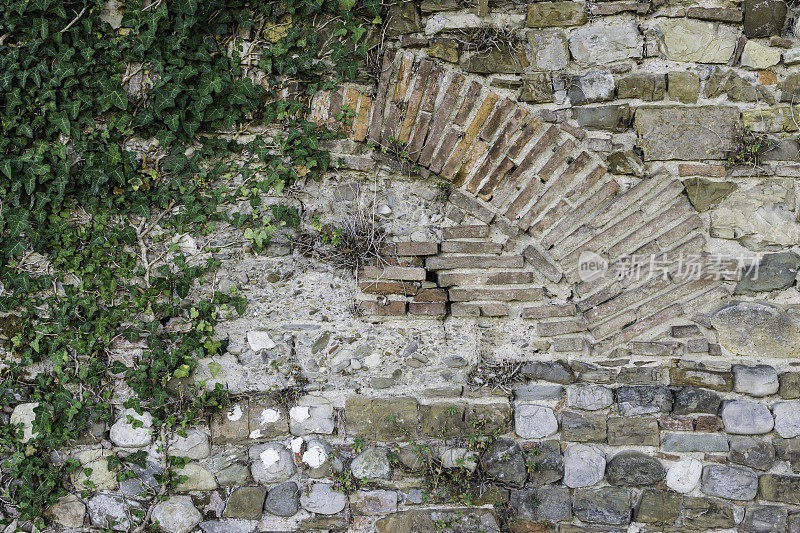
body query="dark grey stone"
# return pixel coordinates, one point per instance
(503, 462)
(764, 519)
(548, 464)
(763, 18)
(751, 452)
(543, 504)
(641, 400)
(693, 400)
(631, 468)
(555, 371)
(615, 117)
(775, 272)
(607, 505)
(283, 499)
(579, 426)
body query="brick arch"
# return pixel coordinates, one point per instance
(529, 197)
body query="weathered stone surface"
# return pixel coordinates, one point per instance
(728, 82)
(312, 414)
(245, 502)
(589, 397)
(759, 380)
(537, 88)
(372, 463)
(228, 526)
(543, 504)
(198, 477)
(113, 511)
(750, 452)
(555, 371)
(283, 499)
(779, 488)
(549, 49)
(23, 414)
(757, 328)
(631, 468)
(459, 520)
(547, 14)
(705, 132)
(774, 272)
(126, 432)
(700, 514)
(593, 86)
(789, 388)
(790, 88)
(584, 465)
(693, 400)
(230, 425)
(658, 507)
(534, 421)
(763, 18)
(549, 463)
(633, 431)
(746, 418)
(267, 420)
(578, 426)
(758, 56)
(683, 86)
(271, 463)
(372, 502)
(69, 512)
(787, 419)
(764, 519)
(698, 41)
(608, 505)
(699, 442)
(504, 462)
(644, 86)
(705, 193)
(604, 41)
(641, 400)
(498, 60)
(382, 418)
(442, 420)
(94, 470)
(445, 49)
(700, 377)
(684, 475)
(403, 18)
(195, 445)
(730, 482)
(320, 498)
(614, 117)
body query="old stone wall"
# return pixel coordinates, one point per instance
(586, 314)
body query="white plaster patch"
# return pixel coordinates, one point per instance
(300, 413)
(269, 416)
(255, 434)
(297, 444)
(269, 457)
(314, 456)
(260, 340)
(235, 413)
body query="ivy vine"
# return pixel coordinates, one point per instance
(113, 138)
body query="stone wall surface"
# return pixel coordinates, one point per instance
(658, 393)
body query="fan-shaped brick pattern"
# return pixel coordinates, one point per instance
(529, 199)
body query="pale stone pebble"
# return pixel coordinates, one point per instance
(759, 380)
(320, 498)
(589, 397)
(584, 465)
(23, 414)
(176, 515)
(684, 475)
(132, 434)
(746, 418)
(787, 419)
(534, 421)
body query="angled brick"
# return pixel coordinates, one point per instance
(440, 120)
(376, 120)
(473, 231)
(415, 100)
(451, 279)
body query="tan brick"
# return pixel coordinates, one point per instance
(431, 295)
(474, 156)
(542, 262)
(505, 295)
(606, 310)
(444, 151)
(495, 178)
(453, 262)
(679, 232)
(442, 420)
(388, 287)
(575, 131)
(599, 297)
(569, 222)
(556, 189)
(351, 99)
(467, 104)
(382, 419)
(392, 123)
(376, 120)
(587, 184)
(470, 135)
(231, 424)
(388, 308)
(441, 119)
(415, 100)
(463, 247)
(498, 278)
(496, 120)
(418, 140)
(362, 119)
(629, 198)
(261, 413)
(614, 325)
(557, 159)
(412, 248)
(427, 308)
(471, 205)
(561, 327)
(643, 325)
(403, 77)
(605, 238)
(549, 311)
(475, 231)
(393, 272)
(547, 140)
(495, 154)
(524, 138)
(337, 99)
(470, 309)
(436, 78)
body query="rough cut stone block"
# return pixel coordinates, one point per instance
(697, 41)
(546, 14)
(686, 133)
(729, 482)
(604, 41)
(779, 488)
(607, 505)
(633, 431)
(578, 426)
(707, 513)
(699, 442)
